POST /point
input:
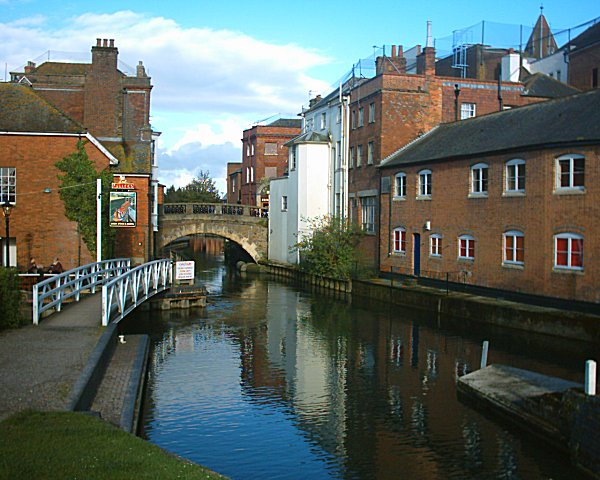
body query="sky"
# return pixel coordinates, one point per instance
(220, 67)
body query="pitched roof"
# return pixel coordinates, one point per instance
(59, 68)
(22, 110)
(287, 122)
(567, 120)
(588, 37)
(308, 137)
(541, 42)
(545, 86)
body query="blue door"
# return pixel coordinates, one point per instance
(417, 254)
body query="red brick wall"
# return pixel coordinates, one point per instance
(69, 101)
(581, 64)
(38, 222)
(539, 214)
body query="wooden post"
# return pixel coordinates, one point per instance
(484, 354)
(590, 377)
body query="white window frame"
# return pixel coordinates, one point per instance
(469, 245)
(359, 155)
(353, 119)
(351, 162)
(468, 110)
(338, 118)
(323, 120)
(570, 160)
(435, 245)
(372, 112)
(425, 178)
(514, 234)
(400, 185)
(370, 148)
(267, 150)
(515, 172)
(570, 237)
(8, 185)
(399, 236)
(361, 116)
(368, 213)
(479, 179)
(293, 157)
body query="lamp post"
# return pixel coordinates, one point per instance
(6, 209)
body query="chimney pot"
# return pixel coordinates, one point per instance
(400, 51)
(393, 51)
(112, 42)
(105, 42)
(98, 42)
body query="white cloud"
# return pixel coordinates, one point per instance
(225, 78)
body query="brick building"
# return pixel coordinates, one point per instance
(394, 108)
(584, 59)
(115, 109)
(234, 182)
(33, 137)
(264, 156)
(506, 201)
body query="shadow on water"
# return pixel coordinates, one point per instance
(275, 381)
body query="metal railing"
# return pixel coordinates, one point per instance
(121, 295)
(214, 209)
(52, 292)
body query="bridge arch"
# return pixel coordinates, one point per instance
(246, 226)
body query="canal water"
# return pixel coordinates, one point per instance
(273, 381)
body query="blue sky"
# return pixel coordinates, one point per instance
(217, 67)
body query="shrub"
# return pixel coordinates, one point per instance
(10, 299)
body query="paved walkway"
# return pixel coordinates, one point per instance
(40, 364)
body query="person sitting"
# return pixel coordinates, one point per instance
(33, 268)
(56, 267)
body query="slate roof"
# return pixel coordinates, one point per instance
(567, 120)
(308, 137)
(287, 122)
(22, 110)
(588, 37)
(544, 86)
(60, 68)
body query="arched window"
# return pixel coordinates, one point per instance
(514, 247)
(568, 251)
(466, 247)
(425, 183)
(435, 245)
(515, 175)
(400, 185)
(399, 245)
(479, 179)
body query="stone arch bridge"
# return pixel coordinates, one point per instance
(245, 225)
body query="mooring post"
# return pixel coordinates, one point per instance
(590, 377)
(484, 354)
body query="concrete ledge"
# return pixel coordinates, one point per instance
(135, 389)
(83, 393)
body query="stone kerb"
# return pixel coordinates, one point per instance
(251, 233)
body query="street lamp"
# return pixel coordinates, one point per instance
(6, 209)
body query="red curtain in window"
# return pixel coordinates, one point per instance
(562, 252)
(576, 252)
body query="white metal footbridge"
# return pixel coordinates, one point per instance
(123, 287)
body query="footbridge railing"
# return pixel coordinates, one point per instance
(121, 295)
(52, 292)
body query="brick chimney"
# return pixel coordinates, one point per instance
(426, 60)
(104, 54)
(394, 65)
(30, 67)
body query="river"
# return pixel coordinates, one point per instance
(273, 381)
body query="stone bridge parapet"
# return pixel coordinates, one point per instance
(245, 225)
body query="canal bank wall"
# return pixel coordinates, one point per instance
(458, 305)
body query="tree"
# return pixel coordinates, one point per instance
(78, 193)
(201, 189)
(331, 249)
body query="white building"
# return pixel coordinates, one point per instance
(317, 181)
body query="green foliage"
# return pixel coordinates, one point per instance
(201, 189)
(331, 249)
(10, 299)
(78, 193)
(59, 445)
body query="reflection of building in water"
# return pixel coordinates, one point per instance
(207, 244)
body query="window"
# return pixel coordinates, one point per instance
(558, 75)
(568, 251)
(309, 124)
(424, 183)
(270, 148)
(338, 149)
(514, 247)
(399, 240)
(352, 209)
(353, 118)
(570, 172)
(359, 156)
(284, 205)
(466, 247)
(8, 184)
(361, 116)
(293, 157)
(515, 176)
(351, 157)
(338, 119)
(479, 179)
(251, 148)
(248, 149)
(323, 121)
(400, 185)
(370, 153)
(467, 110)
(372, 113)
(368, 214)
(435, 245)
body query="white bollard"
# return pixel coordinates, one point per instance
(590, 377)
(484, 354)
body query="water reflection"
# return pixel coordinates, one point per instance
(271, 381)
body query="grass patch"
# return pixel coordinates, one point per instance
(59, 445)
